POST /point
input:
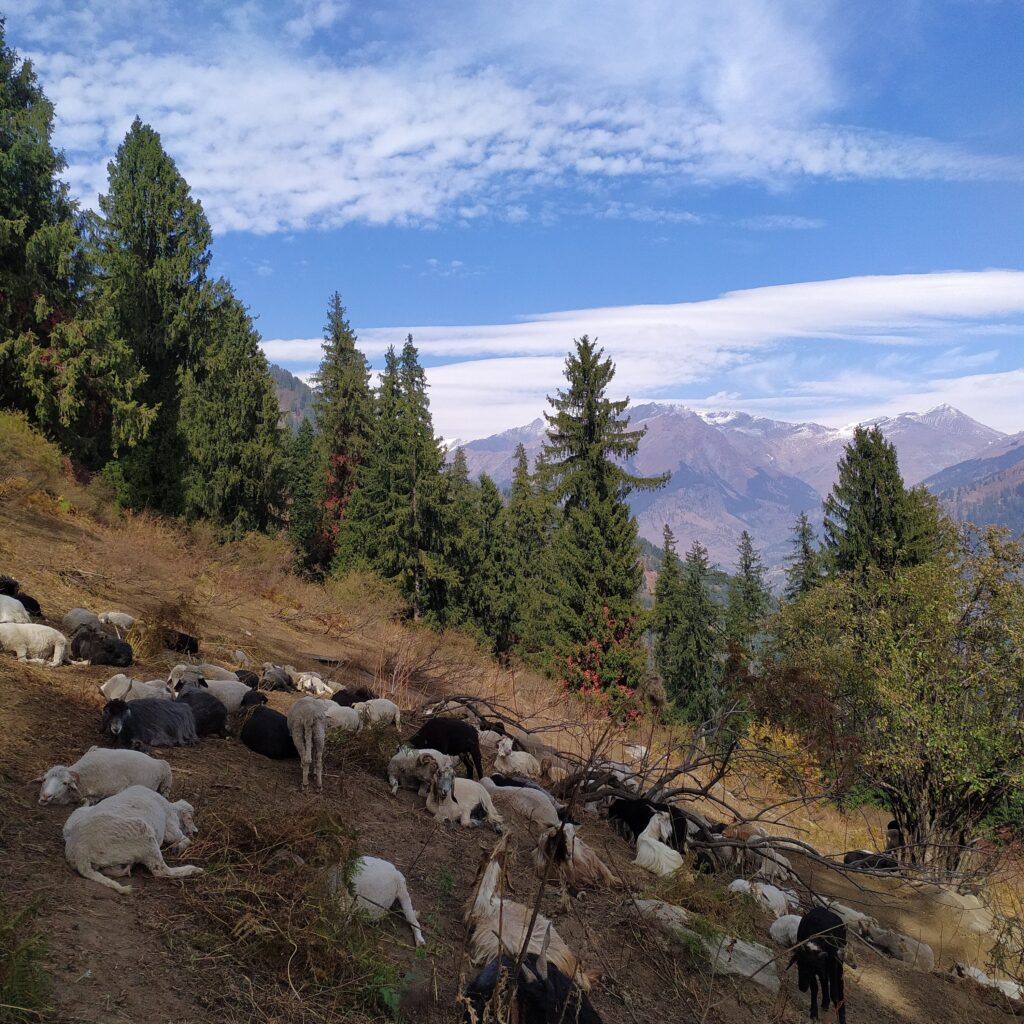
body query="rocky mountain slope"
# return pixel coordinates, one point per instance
(294, 396)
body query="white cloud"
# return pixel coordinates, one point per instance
(781, 222)
(769, 345)
(461, 111)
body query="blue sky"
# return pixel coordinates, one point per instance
(792, 208)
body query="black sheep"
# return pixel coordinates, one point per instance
(346, 698)
(453, 737)
(818, 955)
(249, 678)
(182, 643)
(541, 994)
(275, 678)
(97, 649)
(266, 732)
(210, 714)
(152, 721)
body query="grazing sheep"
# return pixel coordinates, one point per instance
(454, 738)
(265, 731)
(498, 927)
(275, 678)
(33, 643)
(119, 620)
(10, 587)
(94, 647)
(538, 809)
(307, 724)
(379, 711)
(461, 800)
(414, 769)
(778, 902)
(346, 698)
(125, 830)
(865, 860)
(345, 718)
(210, 714)
(230, 692)
(376, 886)
(122, 687)
(80, 617)
(100, 773)
(783, 930)
(572, 861)
(517, 762)
(12, 610)
(819, 954)
(652, 853)
(158, 723)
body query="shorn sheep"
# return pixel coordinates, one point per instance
(34, 643)
(818, 955)
(104, 842)
(783, 930)
(561, 855)
(342, 717)
(376, 886)
(379, 711)
(652, 852)
(454, 738)
(122, 687)
(307, 725)
(12, 610)
(100, 773)
(461, 800)
(515, 762)
(158, 723)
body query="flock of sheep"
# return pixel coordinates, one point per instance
(125, 816)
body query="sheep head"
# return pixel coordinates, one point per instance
(504, 747)
(428, 762)
(444, 785)
(60, 786)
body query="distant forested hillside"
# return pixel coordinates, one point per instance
(294, 396)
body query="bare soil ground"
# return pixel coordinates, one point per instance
(224, 946)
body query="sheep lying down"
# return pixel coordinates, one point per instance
(32, 642)
(100, 773)
(106, 841)
(376, 886)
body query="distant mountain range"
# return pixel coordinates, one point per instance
(732, 471)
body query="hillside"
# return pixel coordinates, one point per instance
(733, 471)
(254, 938)
(294, 396)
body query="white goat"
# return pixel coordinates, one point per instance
(125, 830)
(537, 808)
(489, 739)
(461, 800)
(122, 687)
(33, 643)
(414, 769)
(379, 711)
(307, 725)
(12, 610)
(783, 930)
(778, 902)
(342, 718)
(376, 885)
(100, 773)
(310, 682)
(571, 859)
(119, 620)
(515, 762)
(652, 852)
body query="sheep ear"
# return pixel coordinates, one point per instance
(38, 778)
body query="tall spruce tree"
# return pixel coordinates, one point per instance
(803, 573)
(668, 616)
(59, 362)
(595, 570)
(496, 608)
(749, 599)
(152, 253)
(234, 472)
(305, 485)
(342, 403)
(456, 597)
(696, 689)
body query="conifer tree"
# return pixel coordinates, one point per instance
(696, 689)
(456, 598)
(305, 487)
(667, 619)
(342, 404)
(803, 573)
(152, 253)
(59, 362)
(594, 570)
(233, 472)
(496, 610)
(749, 599)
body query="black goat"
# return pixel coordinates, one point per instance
(151, 720)
(818, 955)
(249, 678)
(346, 698)
(181, 643)
(97, 649)
(452, 737)
(894, 836)
(210, 714)
(868, 861)
(266, 732)
(10, 587)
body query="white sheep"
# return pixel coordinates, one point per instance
(119, 620)
(80, 617)
(537, 808)
(205, 669)
(342, 718)
(489, 739)
(461, 800)
(414, 769)
(652, 852)
(12, 610)
(783, 930)
(375, 886)
(379, 711)
(230, 692)
(122, 687)
(773, 866)
(515, 762)
(100, 773)
(778, 902)
(307, 725)
(33, 643)
(310, 682)
(125, 830)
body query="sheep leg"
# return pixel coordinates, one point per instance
(814, 994)
(410, 915)
(305, 755)
(319, 736)
(84, 867)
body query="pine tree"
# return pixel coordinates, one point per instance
(804, 570)
(152, 252)
(59, 363)
(342, 404)
(305, 485)
(696, 689)
(749, 599)
(667, 618)
(230, 426)
(870, 520)
(594, 570)
(496, 610)
(456, 599)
